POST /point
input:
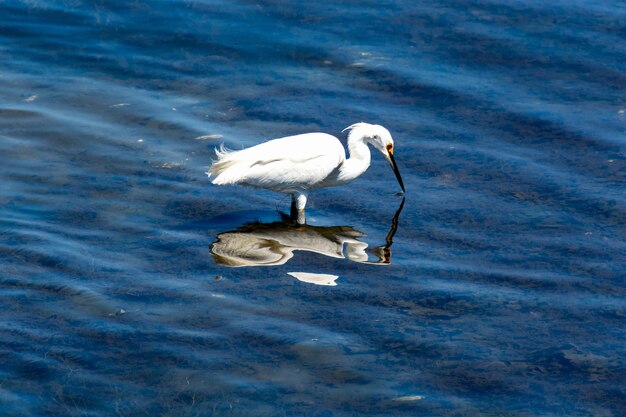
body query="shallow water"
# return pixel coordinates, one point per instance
(500, 293)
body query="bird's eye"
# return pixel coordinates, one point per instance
(390, 148)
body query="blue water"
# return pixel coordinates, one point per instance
(498, 289)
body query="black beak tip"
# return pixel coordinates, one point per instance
(401, 183)
(396, 171)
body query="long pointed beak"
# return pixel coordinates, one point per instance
(394, 166)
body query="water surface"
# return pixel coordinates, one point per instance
(500, 293)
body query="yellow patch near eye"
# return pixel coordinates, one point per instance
(390, 149)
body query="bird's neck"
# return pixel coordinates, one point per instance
(358, 161)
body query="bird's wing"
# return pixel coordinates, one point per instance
(285, 164)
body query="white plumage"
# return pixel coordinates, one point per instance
(297, 164)
(286, 164)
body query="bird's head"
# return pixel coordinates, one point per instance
(379, 138)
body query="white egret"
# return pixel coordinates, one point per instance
(297, 164)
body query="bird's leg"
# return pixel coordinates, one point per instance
(293, 213)
(300, 204)
(301, 218)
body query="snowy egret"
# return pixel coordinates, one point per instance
(300, 163)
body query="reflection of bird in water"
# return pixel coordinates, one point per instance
(267, 244)
(297, 164)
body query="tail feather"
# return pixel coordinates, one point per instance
(221, 169)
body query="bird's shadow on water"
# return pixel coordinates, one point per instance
(272, 244)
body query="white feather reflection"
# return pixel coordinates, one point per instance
(317, 279)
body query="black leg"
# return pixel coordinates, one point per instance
(301, 217)
(293, 213)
